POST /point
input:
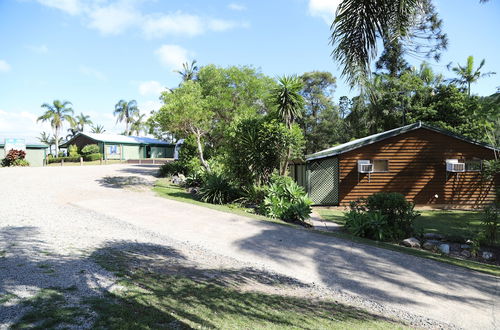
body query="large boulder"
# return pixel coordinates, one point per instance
(411, 242)
(444, 248)
(431, 245)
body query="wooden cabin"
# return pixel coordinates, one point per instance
(428, 165)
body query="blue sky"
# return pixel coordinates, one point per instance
(96, 52)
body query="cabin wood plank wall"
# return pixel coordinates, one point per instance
(417, 169)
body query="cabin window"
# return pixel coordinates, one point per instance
(473, 165)
(380, 165)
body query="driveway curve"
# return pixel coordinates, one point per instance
(424, 287)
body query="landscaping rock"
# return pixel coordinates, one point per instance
(431, 245)
(465, 254)
(487, 255)
(465, 246)
(444, 248)
(411, 242)
(433, 236)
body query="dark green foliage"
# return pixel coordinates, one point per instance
(66, 159)
(382, 216)
(217, 189)
(491, 168)
(15, 158)
(252, 195)
(286, 200)
(172, 168)
(490, 221)
(92, 157)
(90, 149)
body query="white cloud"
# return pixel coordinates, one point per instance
(72, 7)
(223, 25)
(148, 106)
(4, 66)
(91, 72)
(324, 8)
(39, 49)
(21, 124)
(151, 88)
(113, 19)
(237, 6)
(172, 56)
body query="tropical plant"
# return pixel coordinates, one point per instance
(286, 200)
(97, 129)
(139, 125)
(81, 121)
(15, 158)
(73, 151)
(468, 75)
(56, 114)
(45, 139)
(371, 224)
(90, 149)
(490, 221)
(217, 189)
(125, 112)
(189, 71)
(361, 25)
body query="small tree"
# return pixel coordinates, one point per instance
(185, 113)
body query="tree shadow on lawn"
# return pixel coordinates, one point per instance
(374, 273)
(157, 287)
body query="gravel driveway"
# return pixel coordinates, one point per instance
(52, 219)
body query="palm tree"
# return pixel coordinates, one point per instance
(82, 120)
(290, 105)
(361, 24)
(53, 141)
(188, 71)
(467, 74)
(56, 114)
(45, 139)
(97, 129)
(288, 100)
(125, 111)
(139, 125)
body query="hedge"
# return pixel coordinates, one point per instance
(92, 157)
(66, 159)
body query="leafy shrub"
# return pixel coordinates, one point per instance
(286, 200)
(490, 221)
(73, 151)
(491, 168)
(92, 157)
(195, 178)
(66, 159)
(90, 149)
(253, 195)
(61, 154)
(15, 158)
(172, 168)
(217, 189)
(398, 214)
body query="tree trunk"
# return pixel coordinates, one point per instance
(286, 161)
(56, 138)
(200, 150)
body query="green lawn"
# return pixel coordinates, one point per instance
(156, 299)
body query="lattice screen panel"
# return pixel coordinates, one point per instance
(323, 181)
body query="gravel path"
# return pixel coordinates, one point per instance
(53, 219)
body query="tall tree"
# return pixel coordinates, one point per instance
(289, 105)
(99, 129)
(468, 75)
(82, 120)
(125, 112)
(139, 125)
(189, 71)
(360, 25)
(56, 114)
(45, 139)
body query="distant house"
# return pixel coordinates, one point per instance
(115, 146)
(426, 164)
(35, 151)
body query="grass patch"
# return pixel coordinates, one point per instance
(5, 298)
(165, 189)
(452, 224)
(157, 300)
(48, 310)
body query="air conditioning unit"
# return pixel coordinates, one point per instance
(365, 166)
(453, 165)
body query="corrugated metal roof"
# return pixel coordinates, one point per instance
(30, 142)
(355, 144)
(116, 138)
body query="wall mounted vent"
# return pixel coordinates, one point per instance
(453, 165)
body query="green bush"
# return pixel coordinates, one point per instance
(73, 151)
(172, 168)
(66, 159)
(15, 158)
(92, 157)
(490, 221)
(217, 189)
(286, 200)
(90, 149)
(253, 195)
(382, 216)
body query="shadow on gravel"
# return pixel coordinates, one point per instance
(158, 287)
(121, 182)
(362, 269)
(141, 169)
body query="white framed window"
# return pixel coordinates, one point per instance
(380, 165)
(473, 165)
